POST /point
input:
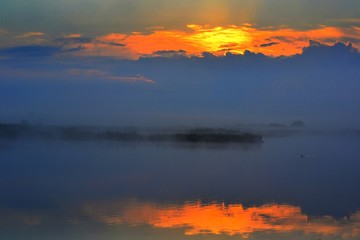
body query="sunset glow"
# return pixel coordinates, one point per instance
(217, 40)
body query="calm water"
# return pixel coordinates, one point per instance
(112, 190)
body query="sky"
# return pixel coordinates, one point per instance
(123, 61)
(130, 29)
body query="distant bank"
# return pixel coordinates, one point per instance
(199, 135)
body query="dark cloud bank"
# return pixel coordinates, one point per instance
(320, 87)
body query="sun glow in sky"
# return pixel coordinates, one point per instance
(217, 40)
(130, 30)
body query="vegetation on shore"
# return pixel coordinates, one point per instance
(205, 135)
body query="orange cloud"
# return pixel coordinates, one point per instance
(73, 35)
(215, 218)
(216, 40)
(290, 41)
(31, 34)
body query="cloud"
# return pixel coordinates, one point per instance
(285, 39)
(346, 20)
(3, 31)
(269, 44)
(106, 46)
(339, 49)
(72, 39)
(207, 55)
(352, 33)
(95, 73)
(72, 50)
(30, 51)
(30, 38)
(112, 39)
(194, 40)
(73, 35)
(169, 54)
(137, 78)
(31, 34)
(217, 40)
(112, 44)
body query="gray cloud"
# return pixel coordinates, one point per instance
(72, 40)
(30, 51)
(3, 31)
(269, 44)
(110, 43)
(95, 73)
(169, 54)
(283, 39)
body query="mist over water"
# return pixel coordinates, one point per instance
(306, 181)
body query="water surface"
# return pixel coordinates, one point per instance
(296, 187)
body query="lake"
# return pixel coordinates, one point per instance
(301, 186)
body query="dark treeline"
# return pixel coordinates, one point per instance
(211, 135)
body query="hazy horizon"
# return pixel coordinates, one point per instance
(318, 87)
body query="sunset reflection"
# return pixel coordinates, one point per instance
(218, 218)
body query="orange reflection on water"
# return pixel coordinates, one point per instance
(215, 218)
